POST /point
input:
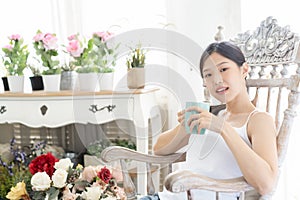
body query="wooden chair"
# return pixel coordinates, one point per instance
(271, 51)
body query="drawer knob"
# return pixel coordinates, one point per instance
(2, 109)
(94, 108)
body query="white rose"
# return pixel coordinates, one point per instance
(40, 181)
(59, 178)
(64, 164)
(92, 193)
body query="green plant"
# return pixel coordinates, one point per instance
(102, 55)
(46, 47)
(35, 70)
(15, 55)
(136, 58)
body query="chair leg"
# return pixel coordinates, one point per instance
(217, 195)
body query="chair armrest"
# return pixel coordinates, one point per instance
(184, 180)
(116, 153)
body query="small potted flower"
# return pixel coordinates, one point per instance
(104, 57)
(80, 58)
(15, 61)
(136, 68)
(46, 48)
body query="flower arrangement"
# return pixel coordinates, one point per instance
(104, 56)
(80, 51)
(46, 47)
(15, 55)
(57, 179)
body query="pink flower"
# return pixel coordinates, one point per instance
(74, 48)
(15, 37)
(72, 37)
(104, 35)
(67, 195)
(89, 173)
(9, 47)
(38, 37)
(50, 41)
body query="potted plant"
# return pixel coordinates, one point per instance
(68, 77)
(80, 58)
(15, 60)
(37, 79)
(136, 68)
(104, 57)
(46, 48)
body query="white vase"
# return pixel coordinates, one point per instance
(51, 82)
(16, 83)
(88, 82)
(106, 81)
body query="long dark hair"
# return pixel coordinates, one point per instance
(226, 49)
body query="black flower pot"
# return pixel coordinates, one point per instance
(5, 83)
(37, 82)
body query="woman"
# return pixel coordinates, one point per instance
(239, 141)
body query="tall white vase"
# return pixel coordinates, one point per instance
(88, 82)
(51, 82)
(16, 83)
(106, 81)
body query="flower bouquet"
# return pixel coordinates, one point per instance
(57, 179)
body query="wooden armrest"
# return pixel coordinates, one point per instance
(115, 153)
(184, 180)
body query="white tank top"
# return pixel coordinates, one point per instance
(209, 155)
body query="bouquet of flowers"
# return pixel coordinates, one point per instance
(80, 50)
(15, 55)
(57, 179)
(46, 47)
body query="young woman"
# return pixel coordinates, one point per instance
(239, 141)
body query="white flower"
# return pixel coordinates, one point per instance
(64, 164)
(40, 181)
(59, 178)
(92, 193)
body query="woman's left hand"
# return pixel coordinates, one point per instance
(205, 119)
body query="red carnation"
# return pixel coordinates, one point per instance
(43, 163)
(104, 175)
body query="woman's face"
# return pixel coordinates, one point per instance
(223, 78)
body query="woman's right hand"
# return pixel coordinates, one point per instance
(180, 117)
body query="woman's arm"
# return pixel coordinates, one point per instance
(171, 141)
(259, 164)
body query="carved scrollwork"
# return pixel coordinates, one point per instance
(94, 108)
(269, 43)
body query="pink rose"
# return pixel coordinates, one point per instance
(9, 47)
(72, 37)
(104, 35)
(89, 173)
(15, 37)
(50, 41)
(38, 37)
(74, 48)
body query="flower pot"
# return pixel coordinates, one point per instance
(5, 83)
(136, 78)
(68, 80)
(16, 83)
(106, 81)
(37, 82)
(51, 82)
(88, 82)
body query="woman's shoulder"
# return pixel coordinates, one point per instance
(261, 120)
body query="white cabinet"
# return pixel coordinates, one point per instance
(57, 109)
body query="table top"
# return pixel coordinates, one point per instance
(77, 93)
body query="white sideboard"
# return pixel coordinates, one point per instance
(56, 109)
